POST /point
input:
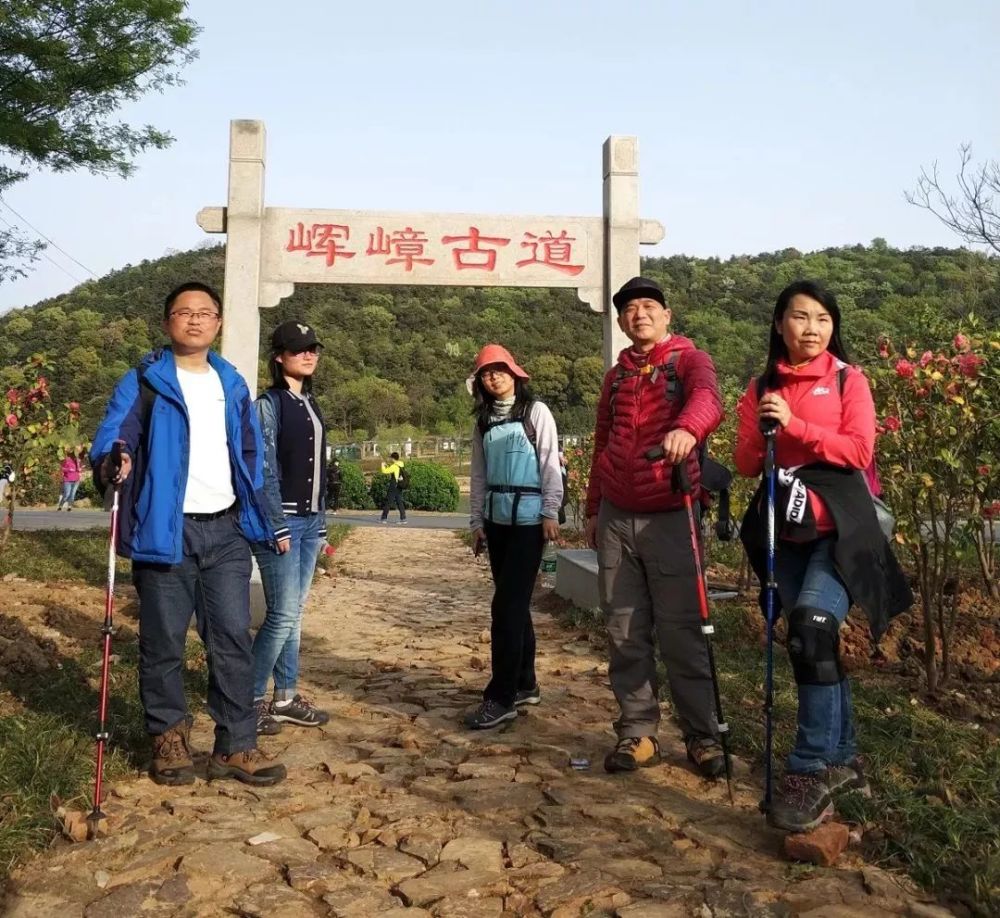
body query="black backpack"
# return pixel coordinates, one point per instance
(404, 478)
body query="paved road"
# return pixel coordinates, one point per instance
(90, 519)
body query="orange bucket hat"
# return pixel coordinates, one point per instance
(496, 353)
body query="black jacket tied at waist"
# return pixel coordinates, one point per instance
(862, 554)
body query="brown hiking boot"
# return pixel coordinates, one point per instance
(706, 754)
(633, 752)
(250, 766)
(172, 755)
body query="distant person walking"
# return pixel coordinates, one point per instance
(394, 492)
(70, 480)
(516, 491)
(333, 484)
(295, 492)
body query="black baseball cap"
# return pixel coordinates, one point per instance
(294, 336)
(636, 288)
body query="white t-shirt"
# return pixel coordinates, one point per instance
(210, 477)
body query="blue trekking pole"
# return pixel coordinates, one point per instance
(769, 428)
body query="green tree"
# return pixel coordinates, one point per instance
(550, 380)
(66, 67)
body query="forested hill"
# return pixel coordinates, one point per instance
(401, 354)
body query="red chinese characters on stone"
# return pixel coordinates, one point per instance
(472, 256)
(556, 251)
(320, 239)
(406, 245)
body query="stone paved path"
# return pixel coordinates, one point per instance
(393, 810)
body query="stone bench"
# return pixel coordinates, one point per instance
(576, 577)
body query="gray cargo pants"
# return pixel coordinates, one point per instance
(646, 578)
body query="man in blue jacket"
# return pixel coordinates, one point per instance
(191, 480)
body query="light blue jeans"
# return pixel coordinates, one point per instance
(825, 736)
(68, 495)
(286, 579)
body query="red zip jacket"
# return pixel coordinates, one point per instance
(826, 425)
(643, 415)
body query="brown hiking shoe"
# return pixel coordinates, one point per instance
(172, 755)
(706, 754)
(250, 766)
(633, 752)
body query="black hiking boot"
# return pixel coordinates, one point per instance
(266, 724)
(299, 711)
(528, 696)
(631, 753)
(488, 715)
(706, 754)
(172, 764)
(802, 802)
(250, 766)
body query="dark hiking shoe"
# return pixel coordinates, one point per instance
(528, 696)
(250, 766)
(266, 724)
(633, 752)
(489, 714)
(172, 755)
(299, 711)
(706, 754)
(850, 776)
(801, 803)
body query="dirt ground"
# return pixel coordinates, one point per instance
(393, 809)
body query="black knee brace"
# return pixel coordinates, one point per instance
(814, 647)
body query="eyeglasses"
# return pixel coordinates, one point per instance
(185, 315)
(312, 349)
(496, 371)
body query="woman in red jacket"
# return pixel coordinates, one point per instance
(825, 420)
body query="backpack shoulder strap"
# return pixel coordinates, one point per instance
(842, 379)
(675, 388)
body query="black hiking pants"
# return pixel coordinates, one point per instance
(515, 554)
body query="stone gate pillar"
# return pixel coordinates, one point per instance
(621, 232)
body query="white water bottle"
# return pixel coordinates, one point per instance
(548, 566)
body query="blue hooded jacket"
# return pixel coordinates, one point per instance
(151, 521)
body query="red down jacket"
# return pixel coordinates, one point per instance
(643, 415)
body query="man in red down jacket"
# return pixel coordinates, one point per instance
(662, 392)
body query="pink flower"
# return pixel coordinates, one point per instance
(961, 342)
(983, 470)
(904, 369)
(925, 358)
(13, 396)
(892, 424)
(11, 420)
(883, 347)
(74, 406)
(968, 365)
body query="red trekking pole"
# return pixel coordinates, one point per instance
(707, 628)
(109, 602)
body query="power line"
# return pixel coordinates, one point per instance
(65, 271)
(46, 238)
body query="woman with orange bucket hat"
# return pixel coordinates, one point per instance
(516, 492)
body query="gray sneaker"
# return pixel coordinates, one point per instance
(849, 776)
(299, 711)
(802, 802)
(488, 715)
(266, 724)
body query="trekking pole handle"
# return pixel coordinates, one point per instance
(681, 476)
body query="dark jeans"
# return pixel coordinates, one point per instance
(333, 498)
(393, 498)
(515, 554)
(213, 581)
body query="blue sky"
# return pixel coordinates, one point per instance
(761, 125)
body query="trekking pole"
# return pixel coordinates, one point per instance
(707, 628)
(769, 428)
(109, 601)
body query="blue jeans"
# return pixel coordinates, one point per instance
(825, 736)
(68, 493)
(287, 579)
(213, 581)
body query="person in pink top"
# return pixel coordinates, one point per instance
(70, 480)
(829, 550)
